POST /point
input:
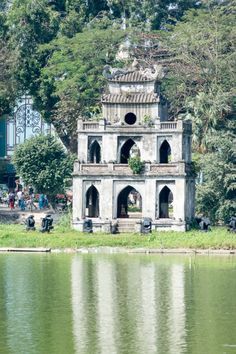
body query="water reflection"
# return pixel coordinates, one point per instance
(139, 306)
(117, 304)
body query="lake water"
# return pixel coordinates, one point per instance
(113, 303)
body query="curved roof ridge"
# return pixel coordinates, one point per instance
(131, 98)
(131, 76)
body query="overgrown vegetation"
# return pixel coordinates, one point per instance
(136, 164)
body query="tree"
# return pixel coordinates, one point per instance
(201, 81)
(150, 14)
(216, 196)
(7, 80)
(43, 162)
(7, 63)
(72, 81)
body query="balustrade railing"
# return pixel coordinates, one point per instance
(168, 125)
(124, 169)
(90, 125)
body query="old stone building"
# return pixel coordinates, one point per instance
(135, 123)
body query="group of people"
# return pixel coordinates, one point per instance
(26, 200)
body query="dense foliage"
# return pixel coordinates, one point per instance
(200, 84)
(42, 162)
(56, 50)
(136, 164)
(201, 80)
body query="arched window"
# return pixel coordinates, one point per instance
(165, 203)
(129, 203)
(125, 150)
(165, 152)
(130, 118)
(95, 152)
(92, 202)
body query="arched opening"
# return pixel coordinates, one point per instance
(165, 203)
(129, 203)
(92, 202)
(130, 118)
(165, 152)
(126, 150)
(95, 152)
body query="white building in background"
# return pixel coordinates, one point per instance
(22, 124)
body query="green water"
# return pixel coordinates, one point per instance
(121, 304)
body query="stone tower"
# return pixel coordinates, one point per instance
(135, 123)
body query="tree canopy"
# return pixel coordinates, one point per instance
(43, 162)
(201, 81)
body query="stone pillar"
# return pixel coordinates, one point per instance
(149, 199)
(83, 148)
(106, 199)
(148, 148)
(179, 201)
(77, 198)
(109, 147)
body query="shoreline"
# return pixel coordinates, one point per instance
(116, 250)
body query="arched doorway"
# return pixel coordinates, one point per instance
(165, 152)
(165, 203)
(129, 203)
(128, 149)
(92, 202)
(95, 152)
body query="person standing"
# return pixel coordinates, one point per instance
(22, 201)
(12, 200)
(19, 195)
(41, 201)
(31, 203)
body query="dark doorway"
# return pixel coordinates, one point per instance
(95, 152)
(130, 118)
(92, 202)
(165, 152)
(165, 203)
(129, 203)
(125, 151)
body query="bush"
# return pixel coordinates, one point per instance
(136, 164)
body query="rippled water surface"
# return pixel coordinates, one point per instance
(121, 304)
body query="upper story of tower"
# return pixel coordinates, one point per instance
(134, 121)
(133, 97)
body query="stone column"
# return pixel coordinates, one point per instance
(83, 148)
(179, 202)
(77, 198)
(149, 199)
(109, 147)
(106, 199)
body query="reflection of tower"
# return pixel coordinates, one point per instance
(177, 310)
(106, 306)
(78, 305)
(148, 321)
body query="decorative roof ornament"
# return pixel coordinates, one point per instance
(134, 73)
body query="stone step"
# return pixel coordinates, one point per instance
(126, 225)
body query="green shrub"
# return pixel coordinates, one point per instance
(136, 165)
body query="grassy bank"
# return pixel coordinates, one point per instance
(63, 237)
